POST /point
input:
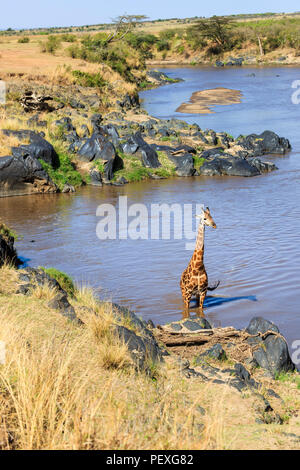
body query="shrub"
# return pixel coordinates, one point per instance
(68, 37)
(51, 45)
(163, 45)
(89, 79)
(24, 40)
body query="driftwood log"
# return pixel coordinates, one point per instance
(31, 101)
(200, 337)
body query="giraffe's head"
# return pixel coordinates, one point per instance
(207, 218)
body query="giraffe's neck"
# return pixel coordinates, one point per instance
(200, 238)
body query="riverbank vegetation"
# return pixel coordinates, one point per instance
(73, 386)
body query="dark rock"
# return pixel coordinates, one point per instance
(111, 133)
(24, 289)
(128, 102)
(196, 324)
(270, 350)
(61, 303)
(175, 326)
(215, 352)
(98, 147)
(38, 147)
(184, 165)
(96, 120)
(263, 167)
(39, 277)
(122, 180)
(160, 78)
(199, 135)
(219, 63)
(130, 147)
(7, 250)
(140, 348)
(22, 175)
(122, 313)
(185, 148)
(265, 143)
(235, 61)
(96, 178)
(136, 143)
(150, 324)
(163, 132)
(65, 124)
(68, 188)
(211, 152)
(86, 131)
(76, 104)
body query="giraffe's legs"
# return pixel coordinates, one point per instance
(186, 300)
(201, 299)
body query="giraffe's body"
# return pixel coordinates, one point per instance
(194, 278)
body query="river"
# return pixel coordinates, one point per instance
(255, 249)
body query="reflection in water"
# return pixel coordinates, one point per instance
(254, 252)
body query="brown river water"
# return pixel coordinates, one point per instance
(254, 251)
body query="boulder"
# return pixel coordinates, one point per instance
(211, 152)
(97, 147)
(265, 143)
(65, 124)
(96, 178)
(23, 175)
(184, 165)
(263, 167)
(141, 349)
(61, 303)
(96, 120)
(228, 165)
(111, 133)
(270, 349)
(215, 352)
(38, 148)
(128, 102)
(135, 144)
(7, 249)
(38, 276)
(68, 188)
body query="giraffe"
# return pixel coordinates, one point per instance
(194, 278)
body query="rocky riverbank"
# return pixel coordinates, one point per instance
(60, 148)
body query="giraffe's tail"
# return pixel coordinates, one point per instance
(210, 288)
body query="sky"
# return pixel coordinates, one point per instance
(46, 13)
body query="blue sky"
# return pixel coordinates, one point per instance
(44, 13)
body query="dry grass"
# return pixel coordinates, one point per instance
(6, 142)
(65, 386)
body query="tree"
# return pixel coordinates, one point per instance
(124, 24)
(216, 29)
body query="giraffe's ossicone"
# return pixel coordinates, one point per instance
(193, 282)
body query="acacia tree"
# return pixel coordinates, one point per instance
(123, 25)
(216, 29)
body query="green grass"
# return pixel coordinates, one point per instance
(288, 377)
(62, 278)
(99, 165)
(65, 173)
(198, 161)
